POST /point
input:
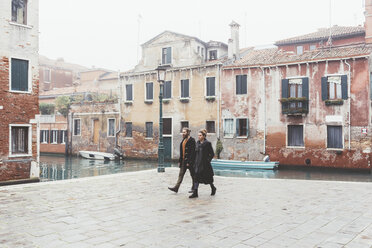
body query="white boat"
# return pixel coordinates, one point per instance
(243, 165)
(97, 155)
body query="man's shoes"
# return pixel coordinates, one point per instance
(213, 190)
(174, 189)
(194, 194)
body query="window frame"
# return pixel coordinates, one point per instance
(149, 99)
(188, 125)
(126, 93)
(342, 139)
(131, 130)
(29, 81)
(216, 54)
(54, 136)
(25, 16)
(167, 98)
(214, 127)
(108, 127)
(164, 61)
(247, 127)
(73, 133)
(181, 88)
(147, 136)
(302, 50)
(206, 88)
(64, 136)
(45, 137)
(303, 137)
(236, 84)
(29, 141)
(230, 135)
(50, 75)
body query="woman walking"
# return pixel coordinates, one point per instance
(203, 169)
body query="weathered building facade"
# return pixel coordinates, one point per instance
(19, 88)
(305, 103)
(191, 94)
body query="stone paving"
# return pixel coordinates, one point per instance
(137, 210)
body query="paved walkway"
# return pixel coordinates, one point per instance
(137, 210)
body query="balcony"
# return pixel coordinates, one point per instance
(295, 106)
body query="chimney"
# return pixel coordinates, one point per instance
(368, 20)
(233, 48)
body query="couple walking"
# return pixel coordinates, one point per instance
(195, 157)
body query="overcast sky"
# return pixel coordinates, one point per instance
(104, 33)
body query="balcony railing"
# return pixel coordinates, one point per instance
(295, 106)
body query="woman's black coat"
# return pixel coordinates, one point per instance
(203, 169)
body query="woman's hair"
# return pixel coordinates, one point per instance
(203, 132)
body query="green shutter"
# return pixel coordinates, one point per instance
(238, 84)
(305, 87)
(247, 127)
(244, 84)
(344, 87)
(324, 88)
(237, 127)
(169, 55)
(285, 88)
(19, 75)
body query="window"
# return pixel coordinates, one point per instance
(334, 137)
(111, 128)
(167, 89)
(20, 140)
(211, 86)
(296, 135)
(167, 126)
(166, 55)
(19, 11)
(295, 95)
(212, 54)
(77, 131)
(334, 88)
(185, 88)
(202, 52)
(295, 91)
(54, 136)
(148, 129)
(47, 76)
(228, 127)
(184, 124)
(62, 135)
(242, 127)
(241, 84)
(210, 126)
(149, 91)
(300, 50)
(44, 136)
(129, 91)
(19, 75)
(312, 47)
(128, 129)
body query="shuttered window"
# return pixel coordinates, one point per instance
(334, 137)
(167, 126)
(128, 129)
(19, 140)
(19, 11)
(44, 136)
(334, 88)
(228, 127)
(167, 55)
(129, 92)
(242, 127)
(295, 135)
(19, 75)
(54, 136)
(149, 130)
(241, 84)
(149, 91)
(211, 126)
(62, 134)
(77, 127)
(183, 125)
(211, 86)
(167, 89)
(111, 128)
(185, 88)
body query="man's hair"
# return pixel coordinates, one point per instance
(188, 131)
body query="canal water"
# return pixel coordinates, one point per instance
(61, 168)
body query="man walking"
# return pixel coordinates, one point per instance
(187, 158)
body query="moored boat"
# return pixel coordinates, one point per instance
(97, 155)
(243, 165)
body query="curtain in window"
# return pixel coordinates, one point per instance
(19, 140)
(334, 137)
(228, 127)
(295, 135)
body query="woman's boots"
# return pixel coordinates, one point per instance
(213, 188)
(194, 194)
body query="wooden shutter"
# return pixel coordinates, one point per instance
(59, 136)
(237, 127)
(186, 88)
(41, 136)
(19, 75)
(324, 88)
(48, 136)
(285, 83)
(128, 88)
(211, 86)
(244, 84)
(305, 87)
(344, 87)
(169, 55)
(238, 84)
(168, 89)
(247, 127)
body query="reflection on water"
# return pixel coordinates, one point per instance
(60, 167)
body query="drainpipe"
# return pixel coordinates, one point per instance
(218, 101)
(264, 102)
(119, 122)
(349, 98)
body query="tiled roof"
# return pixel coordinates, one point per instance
(61, 64)
(275, 56)
(323, 34)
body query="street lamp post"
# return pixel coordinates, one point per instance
(161, 78)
